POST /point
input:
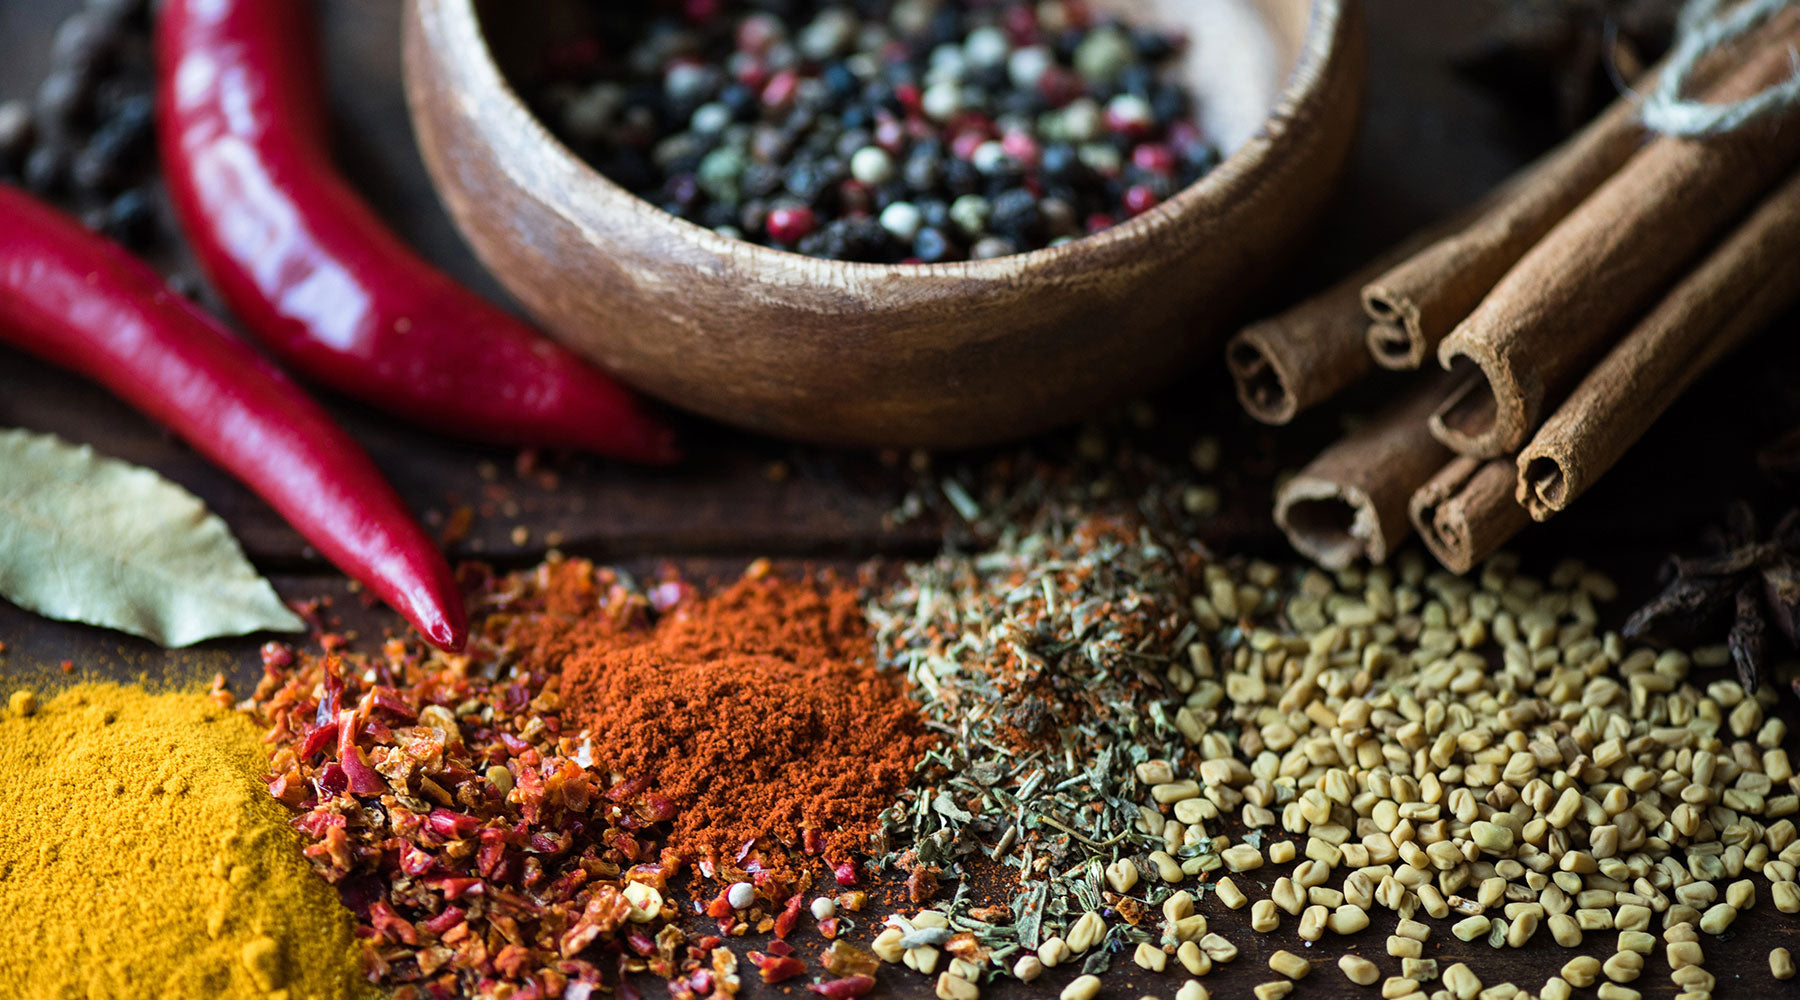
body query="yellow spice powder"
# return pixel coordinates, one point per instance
(141, 857)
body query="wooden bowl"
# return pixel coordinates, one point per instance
(944, 355)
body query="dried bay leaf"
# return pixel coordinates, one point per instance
(90, 539)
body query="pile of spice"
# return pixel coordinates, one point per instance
(885, 132)
(141, 857)
(1048, 657)
(506, 822)
(757, 712)
(1476, 755)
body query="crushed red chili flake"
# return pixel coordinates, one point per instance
(489, 843)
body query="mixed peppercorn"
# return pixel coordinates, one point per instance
(883, 131)
(86, 135)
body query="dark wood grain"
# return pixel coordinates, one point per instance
(1430, 144)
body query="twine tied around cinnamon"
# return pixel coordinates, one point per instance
(1704, 26)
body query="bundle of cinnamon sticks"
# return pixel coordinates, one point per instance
(1550, 325)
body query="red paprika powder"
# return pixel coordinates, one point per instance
(757, 712)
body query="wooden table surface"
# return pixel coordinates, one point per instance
(1432, 141)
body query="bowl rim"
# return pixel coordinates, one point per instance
(1320, 45)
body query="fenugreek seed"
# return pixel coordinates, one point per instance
(1053, 952)
(1565, 930)
(1718, 918)
(1470, 928)
(1241, 858)
(1613, 991)
(930, 918)
(1594, 919)
(1581, 971)
(1180, 904)
(1419, 970)
(1433, 901)
(1413, 929)
(1360, 971)
(1462, 982)
(1175, 791)
(1149, 956)
(1087, 932)
(1638, 941)
(1347, 919)
(1521, 930)
(1275, 990)
(950, 987)
(1194, 960)
(1623, 967)
(1265, 916)
(1190, 928)
(1083, 988)
(1492, 837)
(1289, 964)
(1027, 968)
(923, 959)
(886, 945)
(1681, 932)
(1218, 949)
(1230, 894)
(1786, 896)
(1281, 852)
(1167, 868)
(1632, 917)
(1312, 923)
(1693, 977)
(1741, 894)
(1192, 990)
(1122, 875)
(1781, 964)
(1397, 986)
(1685, 953)
(1556, 988)
(1287, 896)
(1403, 947)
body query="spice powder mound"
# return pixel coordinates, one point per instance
(757, 712)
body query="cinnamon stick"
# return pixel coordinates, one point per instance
(1351, 502)
(1747, 280)
(1300, 358)
(1574, 293)
(1414, 306)
(1467, 511)
(1289, 363)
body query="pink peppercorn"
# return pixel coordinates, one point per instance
(1021, 147)
(791, 225)
(781, 89)
(1155, 158)
(964, 144)
(911, 98)
(1140, 199)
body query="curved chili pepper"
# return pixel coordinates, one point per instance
(81, 302)
(311, 270)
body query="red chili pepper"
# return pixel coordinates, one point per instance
(308, 266)
(81, 302)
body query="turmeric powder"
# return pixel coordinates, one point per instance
(141, 857)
